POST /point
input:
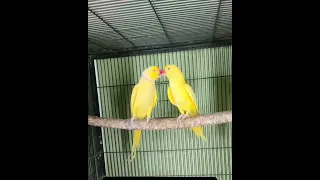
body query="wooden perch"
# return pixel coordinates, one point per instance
(162, 123)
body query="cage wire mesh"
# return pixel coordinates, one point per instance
(118, 27)
(115, 26)
(168, 152)
(96, 168)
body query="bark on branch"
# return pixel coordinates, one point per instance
(162, 123)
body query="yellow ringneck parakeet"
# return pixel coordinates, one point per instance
(181, 95)
(143, 101)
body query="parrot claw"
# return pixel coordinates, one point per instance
(179, 118)
(132, 119)
(184, 116)
(130, 159)
(148, 119)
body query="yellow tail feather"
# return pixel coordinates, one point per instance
(198, 131)
(135, 144)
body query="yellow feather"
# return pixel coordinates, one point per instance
(135, 144)
(192, 96)
(197, 130)
(143, 100)
(155, 99)
(170, 96)
(182, 96)
(133, 97)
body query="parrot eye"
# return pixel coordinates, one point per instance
(168, 68)
(154, 70)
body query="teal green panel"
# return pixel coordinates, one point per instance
(168, 152)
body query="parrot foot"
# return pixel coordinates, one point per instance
(184, 116)
(148, 119)
(130, 159)
(179, 118)
(132, 119)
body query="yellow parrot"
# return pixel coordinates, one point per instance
(181, 95)
(143, 101)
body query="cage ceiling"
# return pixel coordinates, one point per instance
(127, 25)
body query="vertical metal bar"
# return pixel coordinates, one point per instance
(93, 87)
(124, 115)
(97, 66)
(94, 97)
(96, 112)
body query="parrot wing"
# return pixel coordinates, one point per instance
(192, 95)
(133, 96)
(170, 96)
(155, 99)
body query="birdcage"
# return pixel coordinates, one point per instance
(124, 38)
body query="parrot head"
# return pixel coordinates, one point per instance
(171, 71)
(152, 73)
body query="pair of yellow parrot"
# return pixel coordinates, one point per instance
(144, 98)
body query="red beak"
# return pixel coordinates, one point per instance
(162, 72)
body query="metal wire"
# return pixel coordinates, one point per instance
(126, 25)
(168, 152)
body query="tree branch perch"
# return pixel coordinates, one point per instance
(162, 123)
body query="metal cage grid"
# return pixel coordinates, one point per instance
(168, 152)
(126, 25)
(126, 36)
